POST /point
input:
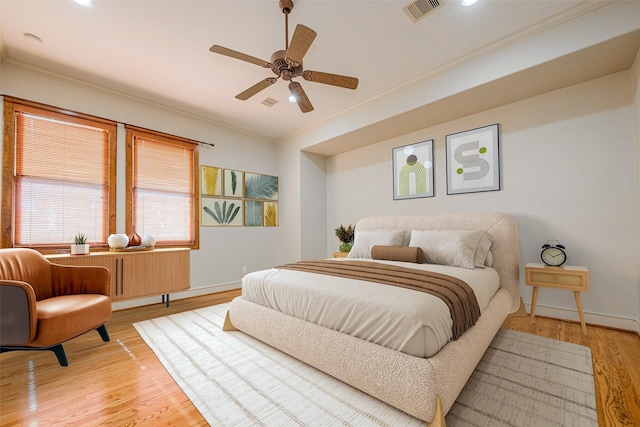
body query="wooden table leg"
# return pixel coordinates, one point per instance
(580, 312)
(534, 301)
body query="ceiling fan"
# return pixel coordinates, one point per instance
(287, 64)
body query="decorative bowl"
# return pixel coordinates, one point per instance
(118, 241)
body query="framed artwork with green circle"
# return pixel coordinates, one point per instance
(473, 160)
(413, 171)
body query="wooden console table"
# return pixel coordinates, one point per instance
(137, 274)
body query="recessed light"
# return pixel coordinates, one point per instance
(32, 38)
(83, 2)
(468, 2)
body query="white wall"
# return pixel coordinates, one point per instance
(635, 84)
(569, 167)
(223, 251)
(313, 206)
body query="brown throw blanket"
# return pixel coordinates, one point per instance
(459, 296)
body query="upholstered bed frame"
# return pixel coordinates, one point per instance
(409, 383)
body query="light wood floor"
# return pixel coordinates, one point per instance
(123, 383)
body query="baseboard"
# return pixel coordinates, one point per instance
(592, 319)
(194, 292)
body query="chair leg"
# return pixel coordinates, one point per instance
(57, 349)
(102, 330)
(60, 354)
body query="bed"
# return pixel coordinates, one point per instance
(408, 373)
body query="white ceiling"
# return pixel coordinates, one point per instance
(159, 50)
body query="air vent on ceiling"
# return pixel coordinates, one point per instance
(418, 9)
(269, 102)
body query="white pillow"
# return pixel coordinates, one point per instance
(488, 262)
(449, 247)
(482, 252)
(365, 240)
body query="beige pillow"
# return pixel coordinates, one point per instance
(482, 252)
(449, 247)
(488, 262)
(365, 240)
(398, 253)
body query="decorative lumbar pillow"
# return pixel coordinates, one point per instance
(398, 253)
(365, 240)
(449, 247)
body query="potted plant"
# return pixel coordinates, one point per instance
(345, 235)
(80, 246)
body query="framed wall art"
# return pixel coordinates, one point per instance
(270, 214)
(258, 186)
(211, 180)
(473, 160)
(232, 197)
(413, 171)
(233, 183)
(218, 212)
(253, 213)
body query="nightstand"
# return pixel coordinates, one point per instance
(340, 254)
(568, 277)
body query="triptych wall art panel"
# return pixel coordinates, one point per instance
(233, 197)
(472, 158)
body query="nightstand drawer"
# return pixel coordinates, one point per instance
(572, 278)
(557, 279)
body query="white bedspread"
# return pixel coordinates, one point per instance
(412, 322)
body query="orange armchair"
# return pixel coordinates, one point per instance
(43, 304)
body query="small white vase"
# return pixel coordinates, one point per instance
(148, 241)
(80, 249)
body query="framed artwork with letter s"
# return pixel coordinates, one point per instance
(413, 171)
(473, 160)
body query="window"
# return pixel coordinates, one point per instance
(58, 177)
(162, 187)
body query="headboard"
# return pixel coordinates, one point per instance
(502, 228)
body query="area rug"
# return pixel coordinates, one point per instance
(235, 380)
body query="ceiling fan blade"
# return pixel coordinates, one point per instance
(238, 55)
(330, 79)
(301, 98)
(256, 88)
(300, 44)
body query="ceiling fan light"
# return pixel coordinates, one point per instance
(292, 98)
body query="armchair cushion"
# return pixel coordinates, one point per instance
(65, 317)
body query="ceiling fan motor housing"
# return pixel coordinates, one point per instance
(281, 67)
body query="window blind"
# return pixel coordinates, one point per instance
(163, 190)
(61, 178)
